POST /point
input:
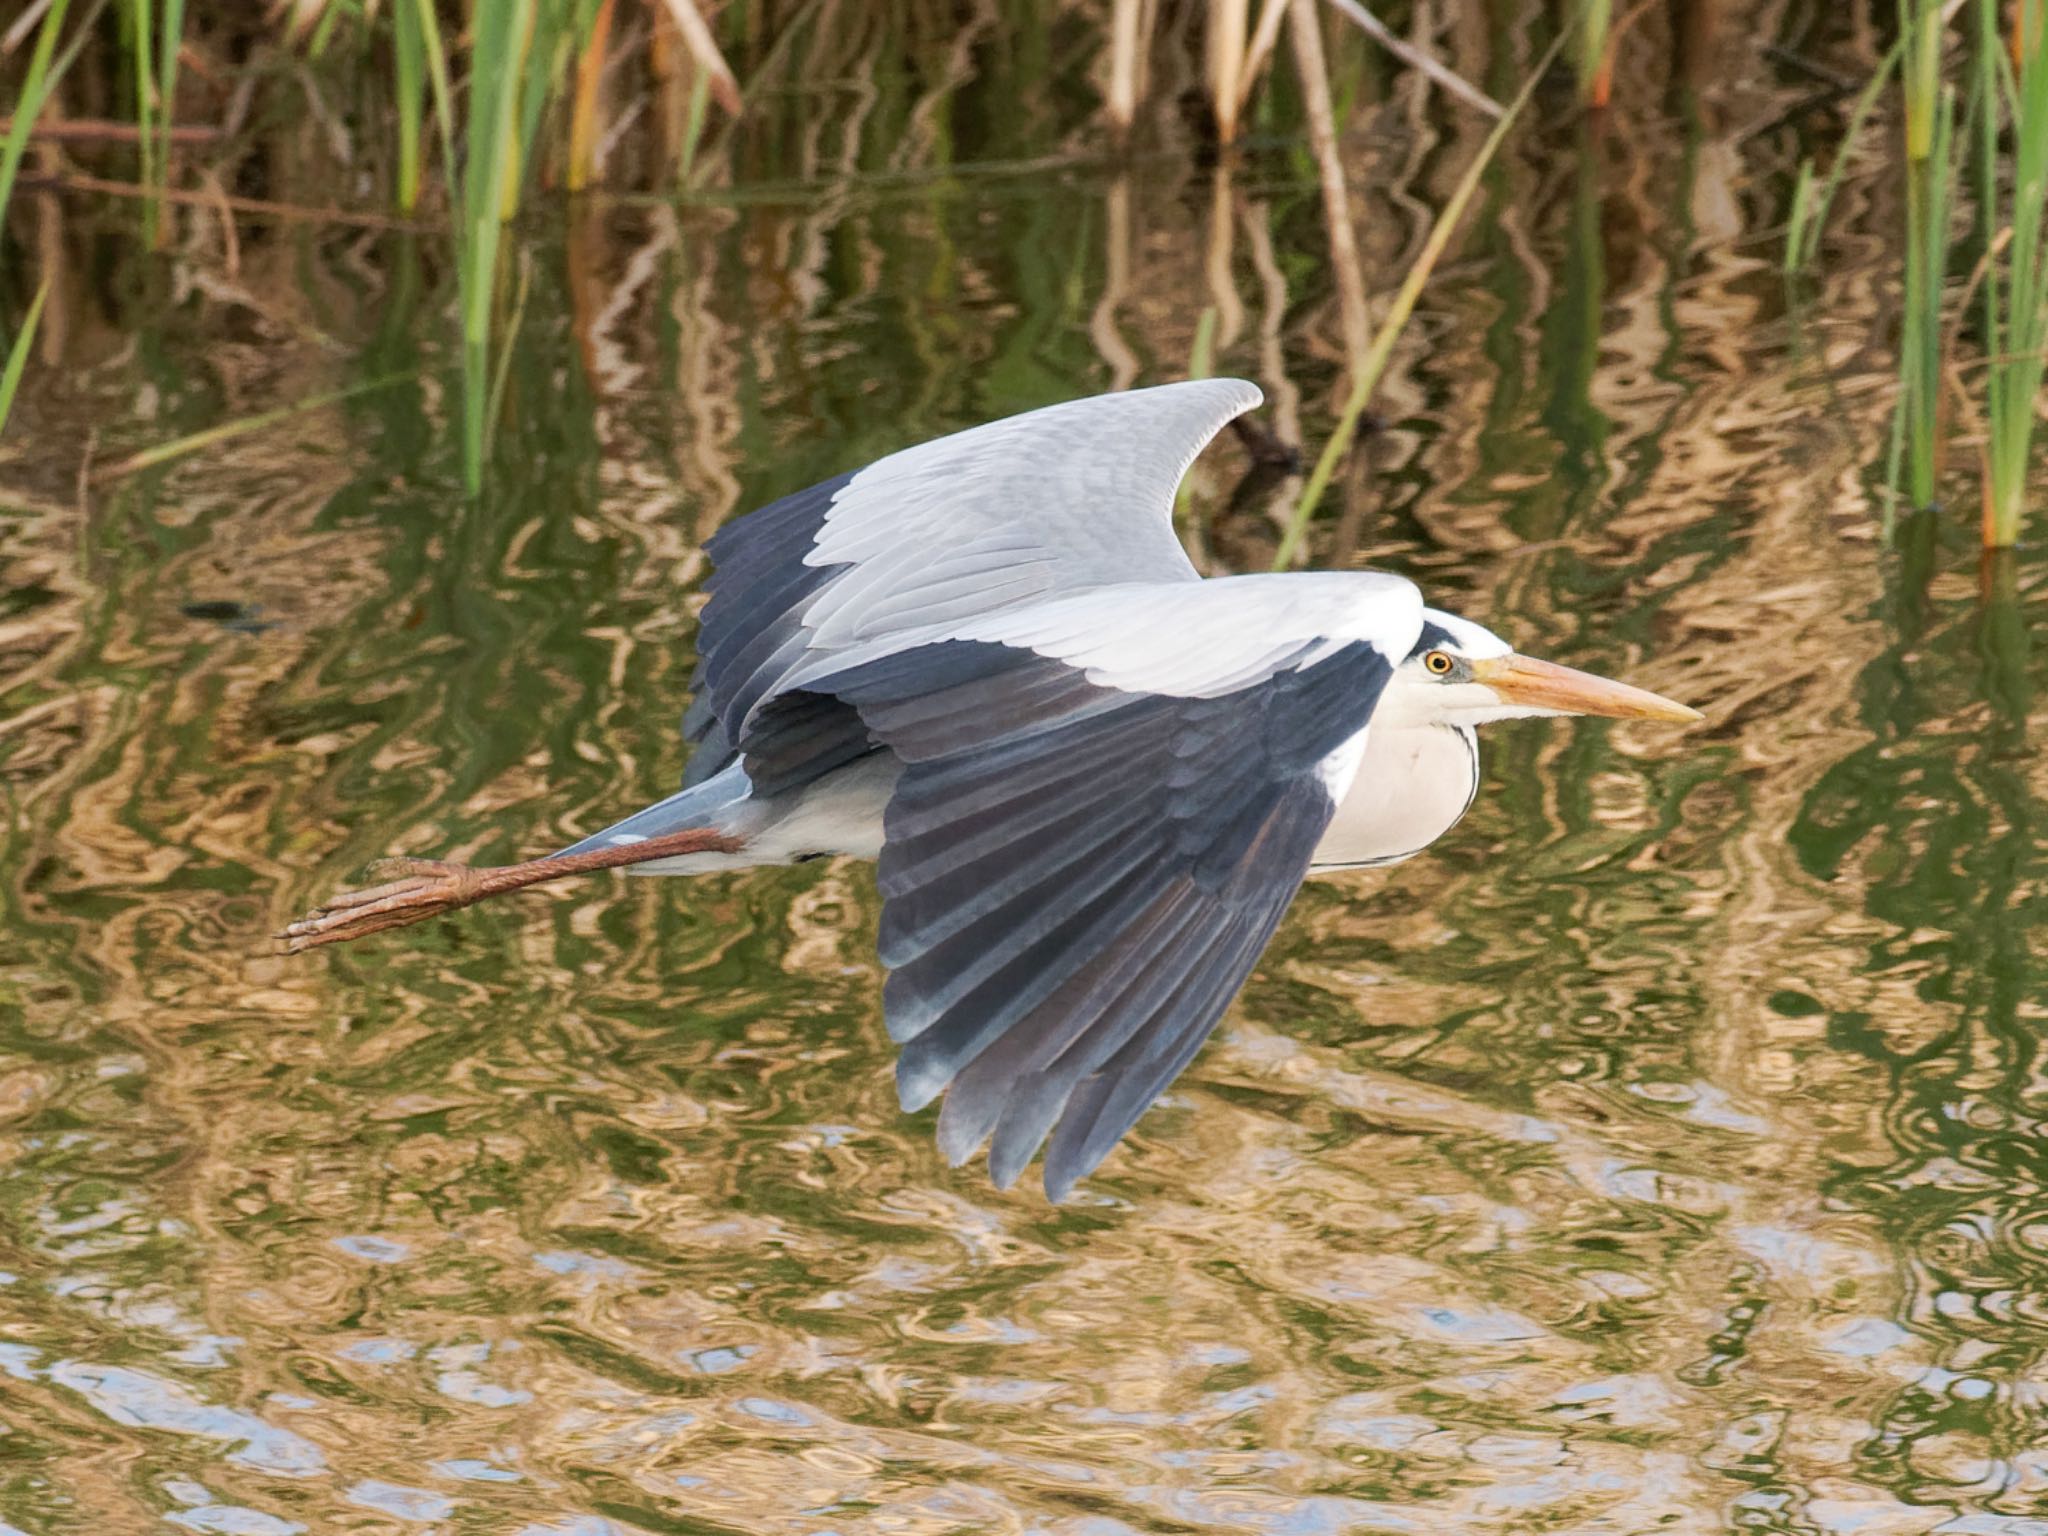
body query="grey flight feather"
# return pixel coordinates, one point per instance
(1097, 927)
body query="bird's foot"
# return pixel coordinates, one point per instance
(424, 888)
(428, 887)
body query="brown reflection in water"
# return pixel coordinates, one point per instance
(1509, 1199)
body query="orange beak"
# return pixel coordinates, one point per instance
(1537, 684)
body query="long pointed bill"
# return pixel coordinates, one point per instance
(1533, 684)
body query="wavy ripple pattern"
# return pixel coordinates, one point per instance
(1661, 1153)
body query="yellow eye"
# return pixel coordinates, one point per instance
(1438, 663)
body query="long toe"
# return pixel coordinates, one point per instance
(431, 889)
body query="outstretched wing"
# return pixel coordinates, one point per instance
(1064, 499)
(1107, 803)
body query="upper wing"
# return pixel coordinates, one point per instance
(1106, 805)
(1063, 499)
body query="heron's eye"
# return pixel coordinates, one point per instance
(1438, 663)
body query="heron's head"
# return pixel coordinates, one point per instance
(1462, 674)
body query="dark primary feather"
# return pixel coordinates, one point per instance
(1076, 880)
(759, 588)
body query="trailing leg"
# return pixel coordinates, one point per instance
(428, 887)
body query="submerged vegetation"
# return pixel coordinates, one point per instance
(456, 118)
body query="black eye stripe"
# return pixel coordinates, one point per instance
(1434, 637)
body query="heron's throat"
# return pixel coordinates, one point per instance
(1413, 784)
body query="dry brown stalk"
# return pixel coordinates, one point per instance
(1229, 24)
(1123, 64)
(696, 35)
(1307, 34)
(254, 206)
(1418, 59)
(92, 130)
(586, 111)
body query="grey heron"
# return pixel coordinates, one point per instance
(1093, 779)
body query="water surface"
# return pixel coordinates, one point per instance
(1662, 1152)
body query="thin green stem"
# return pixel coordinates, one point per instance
(178, 448)
(409, 60)
(1802, 241)
(17, 354)
(35, 89)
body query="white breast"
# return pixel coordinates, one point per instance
(1410, 789)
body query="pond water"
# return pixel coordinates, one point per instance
(1661, 1152)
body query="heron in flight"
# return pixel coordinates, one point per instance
(1093, 780)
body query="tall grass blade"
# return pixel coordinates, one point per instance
(1347, 274)
(498, 39)
(693, 127)
(409, 69)
(1595, 68)
(1800, 220)
(17, 355)
(171, 40)
(141, 33)
(2013, 95)
(1368, 375)
(1264, 36)
(1122, 98)
(503, 375)
(1930, 207)
(1807, 225)
(35, 89)
(1920, 34)
(436, 56)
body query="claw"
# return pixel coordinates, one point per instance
(427, 888)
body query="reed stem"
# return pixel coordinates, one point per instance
(1122, 101)
(1228, 35)
(1930, 206)
(36, 84)
(2016, 286)
(17, 353)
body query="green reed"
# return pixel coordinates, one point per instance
(487, 184)
(43, 69)
(2016, 283)
(1596, 26)
(140, 31)
(154, 38)
(1931, 175)
(1812, 197)
(409, 88)
(17, 354)
(170, 37)
(519, 53)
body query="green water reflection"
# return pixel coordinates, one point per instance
(1661, 1153)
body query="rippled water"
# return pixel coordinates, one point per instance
(1663, 1152)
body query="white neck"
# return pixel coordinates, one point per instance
(1412, 785)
